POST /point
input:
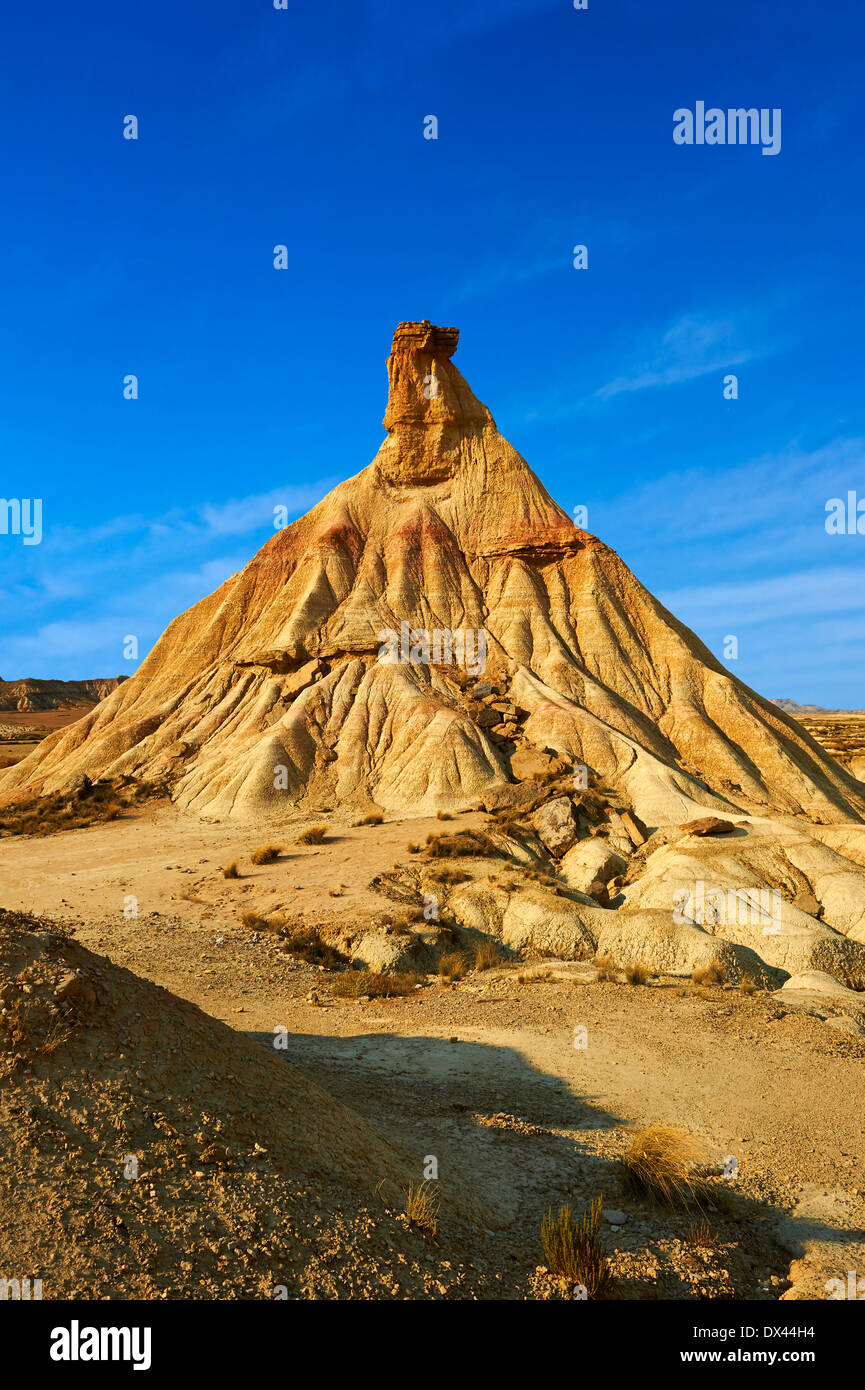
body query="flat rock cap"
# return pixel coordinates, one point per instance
(425, 337)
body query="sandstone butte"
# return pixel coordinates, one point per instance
(447, 528)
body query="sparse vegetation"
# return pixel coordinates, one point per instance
(313, 835)
(606, 968)
(486, 955)
(701, 1234)
(421, 1207)
(712, 974)
(231, 870)
(253, 921)
(443, 815)
(748, 985)
(445, 875)
(574, 1251)
(413, 848)
(88, 803)
(266, 854)
(452, 966)
(461, 844)
(354, 984)
(659, 1164)
(306, 943)
(374, 818)
(637, 974)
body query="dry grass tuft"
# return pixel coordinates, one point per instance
(448, 876)
(413, 848)
(606, 968)
(313, 835)
(452, 966)
(712, 974)
(265, 854)
(306, 943)
(374, 818)
(748, 985)
(231, 870)
(574, 1250)
(443, 815)
(421, 1207)
(637, 973)
(486, 955)
(253, 921)
(659, 1165)
(460, 844)
(700, 1233)
(354, 984)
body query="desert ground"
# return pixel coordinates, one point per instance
(480, 1072)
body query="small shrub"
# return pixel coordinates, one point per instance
(231, 870)
(421, 1207)
(353, 984)
(659, 1165)
(452, 966)
(637, 973)
(313, 835)
(443, 815)
(253, 921)
(574, 1250)
(701, 1234)
(265, 854)
(374, 818)
(712, 974)
(412, 847)
(306, 944)
(606, 968)
(486, 955)
(460, 844)
(748, 985)
(445, 875)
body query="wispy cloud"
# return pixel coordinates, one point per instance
(127, 574)
(691, 347)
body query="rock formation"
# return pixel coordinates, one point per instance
(32, 694)
(431, 632)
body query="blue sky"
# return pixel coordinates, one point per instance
(304, 127)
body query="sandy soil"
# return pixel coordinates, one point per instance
(778, 1092)
(45, 718)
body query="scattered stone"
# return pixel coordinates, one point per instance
(708, 825)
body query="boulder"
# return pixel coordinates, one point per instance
(510, 796)
(556, 825)
(818, 990)
(529, 762)
(589, 860)
(806, 902)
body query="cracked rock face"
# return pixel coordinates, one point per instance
(350, 651)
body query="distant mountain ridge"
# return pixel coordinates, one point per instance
(33, 694)
(793, 707)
